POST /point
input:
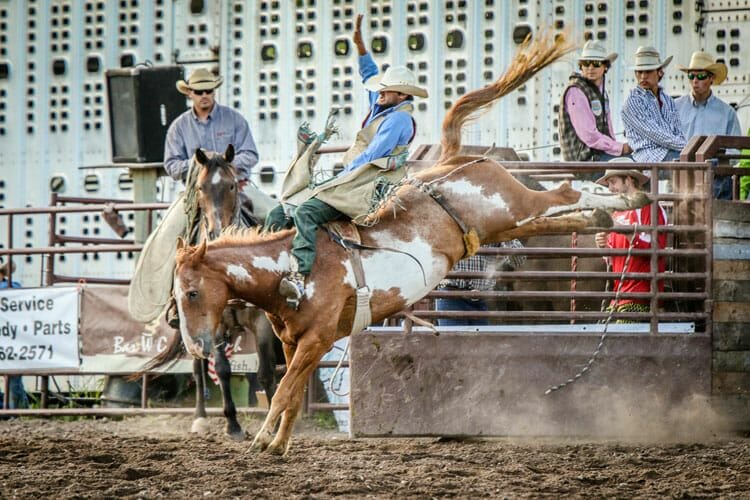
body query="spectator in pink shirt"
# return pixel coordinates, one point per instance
(585, 123)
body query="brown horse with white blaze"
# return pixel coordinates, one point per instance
(440, 213)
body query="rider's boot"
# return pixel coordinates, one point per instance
(292, 287)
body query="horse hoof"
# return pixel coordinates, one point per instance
(278, 448)
(640, 199)
(236, 435)
(260, 443)
(200, 426)
(602, 218)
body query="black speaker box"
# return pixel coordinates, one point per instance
(143, 101)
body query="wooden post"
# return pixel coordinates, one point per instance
(144, 191)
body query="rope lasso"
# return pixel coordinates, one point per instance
(603, 337)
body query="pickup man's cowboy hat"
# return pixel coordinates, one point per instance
(396, 79)
(200, 79)
(639, 177)
(701, 61)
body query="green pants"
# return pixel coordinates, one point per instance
(308, 217)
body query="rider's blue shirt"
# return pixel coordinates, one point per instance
(396, 130)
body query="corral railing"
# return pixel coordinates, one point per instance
(580, 292)
(563, 279)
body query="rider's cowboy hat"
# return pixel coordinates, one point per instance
(701, 61)
(594, 50)
(4, 268)
(201, 79)
(647, 59)
(396, 79)
(639, 177)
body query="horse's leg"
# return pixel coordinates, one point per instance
(252, 386)
(289, 395)
(564, 224)
(224, 372)
(265, 435)
(200, 423)
(565, 199)
(266, 356)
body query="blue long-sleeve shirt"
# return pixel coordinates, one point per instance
(396, 130)
(652, 130)
(224, 126)
(711, 117)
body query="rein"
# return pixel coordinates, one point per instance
(348, 244)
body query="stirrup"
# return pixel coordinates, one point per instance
(292, 287)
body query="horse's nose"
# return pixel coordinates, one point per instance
(196, 349)
(204, 346)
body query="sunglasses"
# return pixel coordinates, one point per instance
(596, 64)
(203, 92)
(699, 76)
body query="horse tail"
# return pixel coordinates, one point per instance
(169, 355)
(532, 56)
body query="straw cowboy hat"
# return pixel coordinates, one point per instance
(594, 50)
(701, 61)
(647, 58)
(201, 79)
(396, 79)
(640, 178)
(4, 268)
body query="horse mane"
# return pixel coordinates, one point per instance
(532, 56)
(236, 235)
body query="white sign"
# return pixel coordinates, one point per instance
(38, 329)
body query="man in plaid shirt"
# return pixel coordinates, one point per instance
(475, 263)
(652, 123)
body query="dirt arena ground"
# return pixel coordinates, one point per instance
(150, 457)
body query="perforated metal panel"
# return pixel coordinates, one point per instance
(285, 62)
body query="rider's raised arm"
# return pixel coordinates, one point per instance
(367, 66)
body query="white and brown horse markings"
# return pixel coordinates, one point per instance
(482, 193)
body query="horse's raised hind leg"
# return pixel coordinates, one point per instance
(200, 423)
(224, 371)
(292, 388)
(560, 202)
(563, 224)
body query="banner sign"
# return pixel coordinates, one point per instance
(38, 329)
(113, 342)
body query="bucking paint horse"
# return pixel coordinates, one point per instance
(433, 219)
(218, 199)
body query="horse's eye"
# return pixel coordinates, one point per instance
(231, 188)
(192, 295)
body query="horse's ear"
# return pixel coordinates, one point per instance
(202, 248)
(180, 243)
(200, 156)
(229, 154)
